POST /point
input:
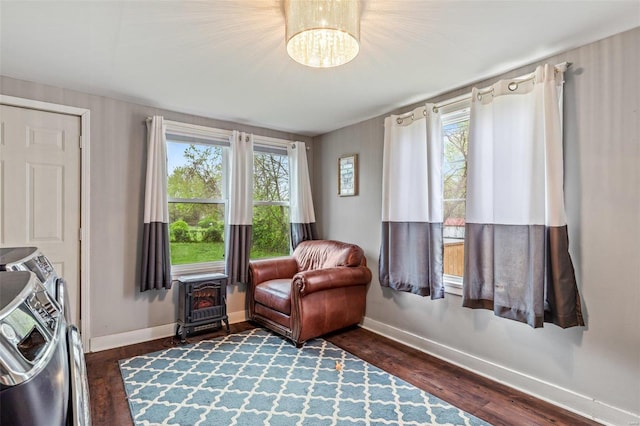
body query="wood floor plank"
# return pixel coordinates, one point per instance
(482, 397)
(488, 400)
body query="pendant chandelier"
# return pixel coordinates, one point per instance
(322, 33)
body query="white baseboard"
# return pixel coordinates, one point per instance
(580, 404)
(132, 337)
(238, 316)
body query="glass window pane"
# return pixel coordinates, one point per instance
(270, 233)
(195, 170)
(270, 177)
(455, 135)
(196, 232)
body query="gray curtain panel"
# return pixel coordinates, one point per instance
(411, 258)
(302, 232)
(522, 272)
(411, 248)
(239, 243)
(517, 260)
(156, 259)
(562, 300)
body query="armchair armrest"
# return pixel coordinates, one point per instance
(307, 282)
(272, 269)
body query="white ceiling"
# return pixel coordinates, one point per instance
(227, 60)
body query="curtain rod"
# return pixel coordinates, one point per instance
(516, 80)
(213, 132)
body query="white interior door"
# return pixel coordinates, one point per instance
(40, 183)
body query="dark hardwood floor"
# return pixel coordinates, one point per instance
(488, 400)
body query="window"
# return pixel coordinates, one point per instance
(197, 166)
(270, 234)
(455, 126)
(197, 198)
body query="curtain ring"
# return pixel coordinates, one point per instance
(434, 109)
(412, 117)
(513, 86)
(486, 93)
(399, 120)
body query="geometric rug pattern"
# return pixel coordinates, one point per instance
(258, 378)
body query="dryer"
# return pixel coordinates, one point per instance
(43, 378)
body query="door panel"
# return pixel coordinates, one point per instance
(45, 186)
(40, 183)
(46, 137)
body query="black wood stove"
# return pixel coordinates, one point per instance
(202, 303)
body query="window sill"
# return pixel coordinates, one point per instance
(453, 285)
(197, 268)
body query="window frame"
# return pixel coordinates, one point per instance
(457, 111)
(268, 146)
(218, 137)
(201, 135)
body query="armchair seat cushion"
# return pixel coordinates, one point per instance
(276, 294)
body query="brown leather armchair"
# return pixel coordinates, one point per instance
(320, 288)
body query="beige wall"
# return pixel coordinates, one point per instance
(602, 188)
(118, 159)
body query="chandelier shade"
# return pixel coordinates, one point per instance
(322, 33)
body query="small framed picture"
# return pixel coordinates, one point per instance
(348, 175)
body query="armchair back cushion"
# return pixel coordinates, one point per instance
(323, 254)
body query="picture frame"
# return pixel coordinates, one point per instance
(348, 175)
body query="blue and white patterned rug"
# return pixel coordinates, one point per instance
(258, 378)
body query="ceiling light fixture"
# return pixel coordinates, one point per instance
(322, 33)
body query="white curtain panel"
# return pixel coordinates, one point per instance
(411, 247)
(241, 179)
(156, 260)
(302, 216)
(516, 248)
(240, 210)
